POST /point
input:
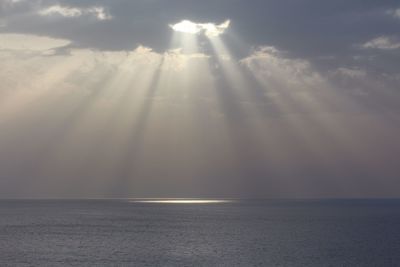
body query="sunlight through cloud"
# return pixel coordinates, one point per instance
(209, 29)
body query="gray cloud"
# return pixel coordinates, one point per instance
(383, 42)
(394, 12)
(97, 11)
(269, 23)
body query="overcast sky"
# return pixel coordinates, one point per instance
(221, 98)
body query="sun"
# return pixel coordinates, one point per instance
(209, 29)
(186, 26)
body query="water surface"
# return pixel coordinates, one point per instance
(238, 233)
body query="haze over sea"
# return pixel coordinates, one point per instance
(236, 233)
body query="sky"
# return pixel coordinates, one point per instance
(207, 99)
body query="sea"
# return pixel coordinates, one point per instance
(130, 232)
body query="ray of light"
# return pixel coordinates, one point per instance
(193, 110)
(312, 116)
(233, 97)
(240, 84)
(283, 113)
(181, 112)
(40, 87)
(89, 114)
(62, 136)
(127, 87)
(296, 106)
(227, 63)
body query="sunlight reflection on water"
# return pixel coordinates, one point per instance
(182, 201)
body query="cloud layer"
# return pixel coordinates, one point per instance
(97, 11)
(383, 42)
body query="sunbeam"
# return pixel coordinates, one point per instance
(206, 105)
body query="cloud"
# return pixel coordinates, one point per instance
(10, 2)
(209, 29)
(27, 43)
(26, 65)
(397, 13)
(97, 11)
(383, 43)
(133, 23)
(272, 67)
(342, 89)
(351, 72)
(394, 12)
(60, 10)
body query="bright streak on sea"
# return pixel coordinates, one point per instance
(182, 201)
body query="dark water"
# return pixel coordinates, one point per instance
(247, 233)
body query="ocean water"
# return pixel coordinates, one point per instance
(241, 233)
